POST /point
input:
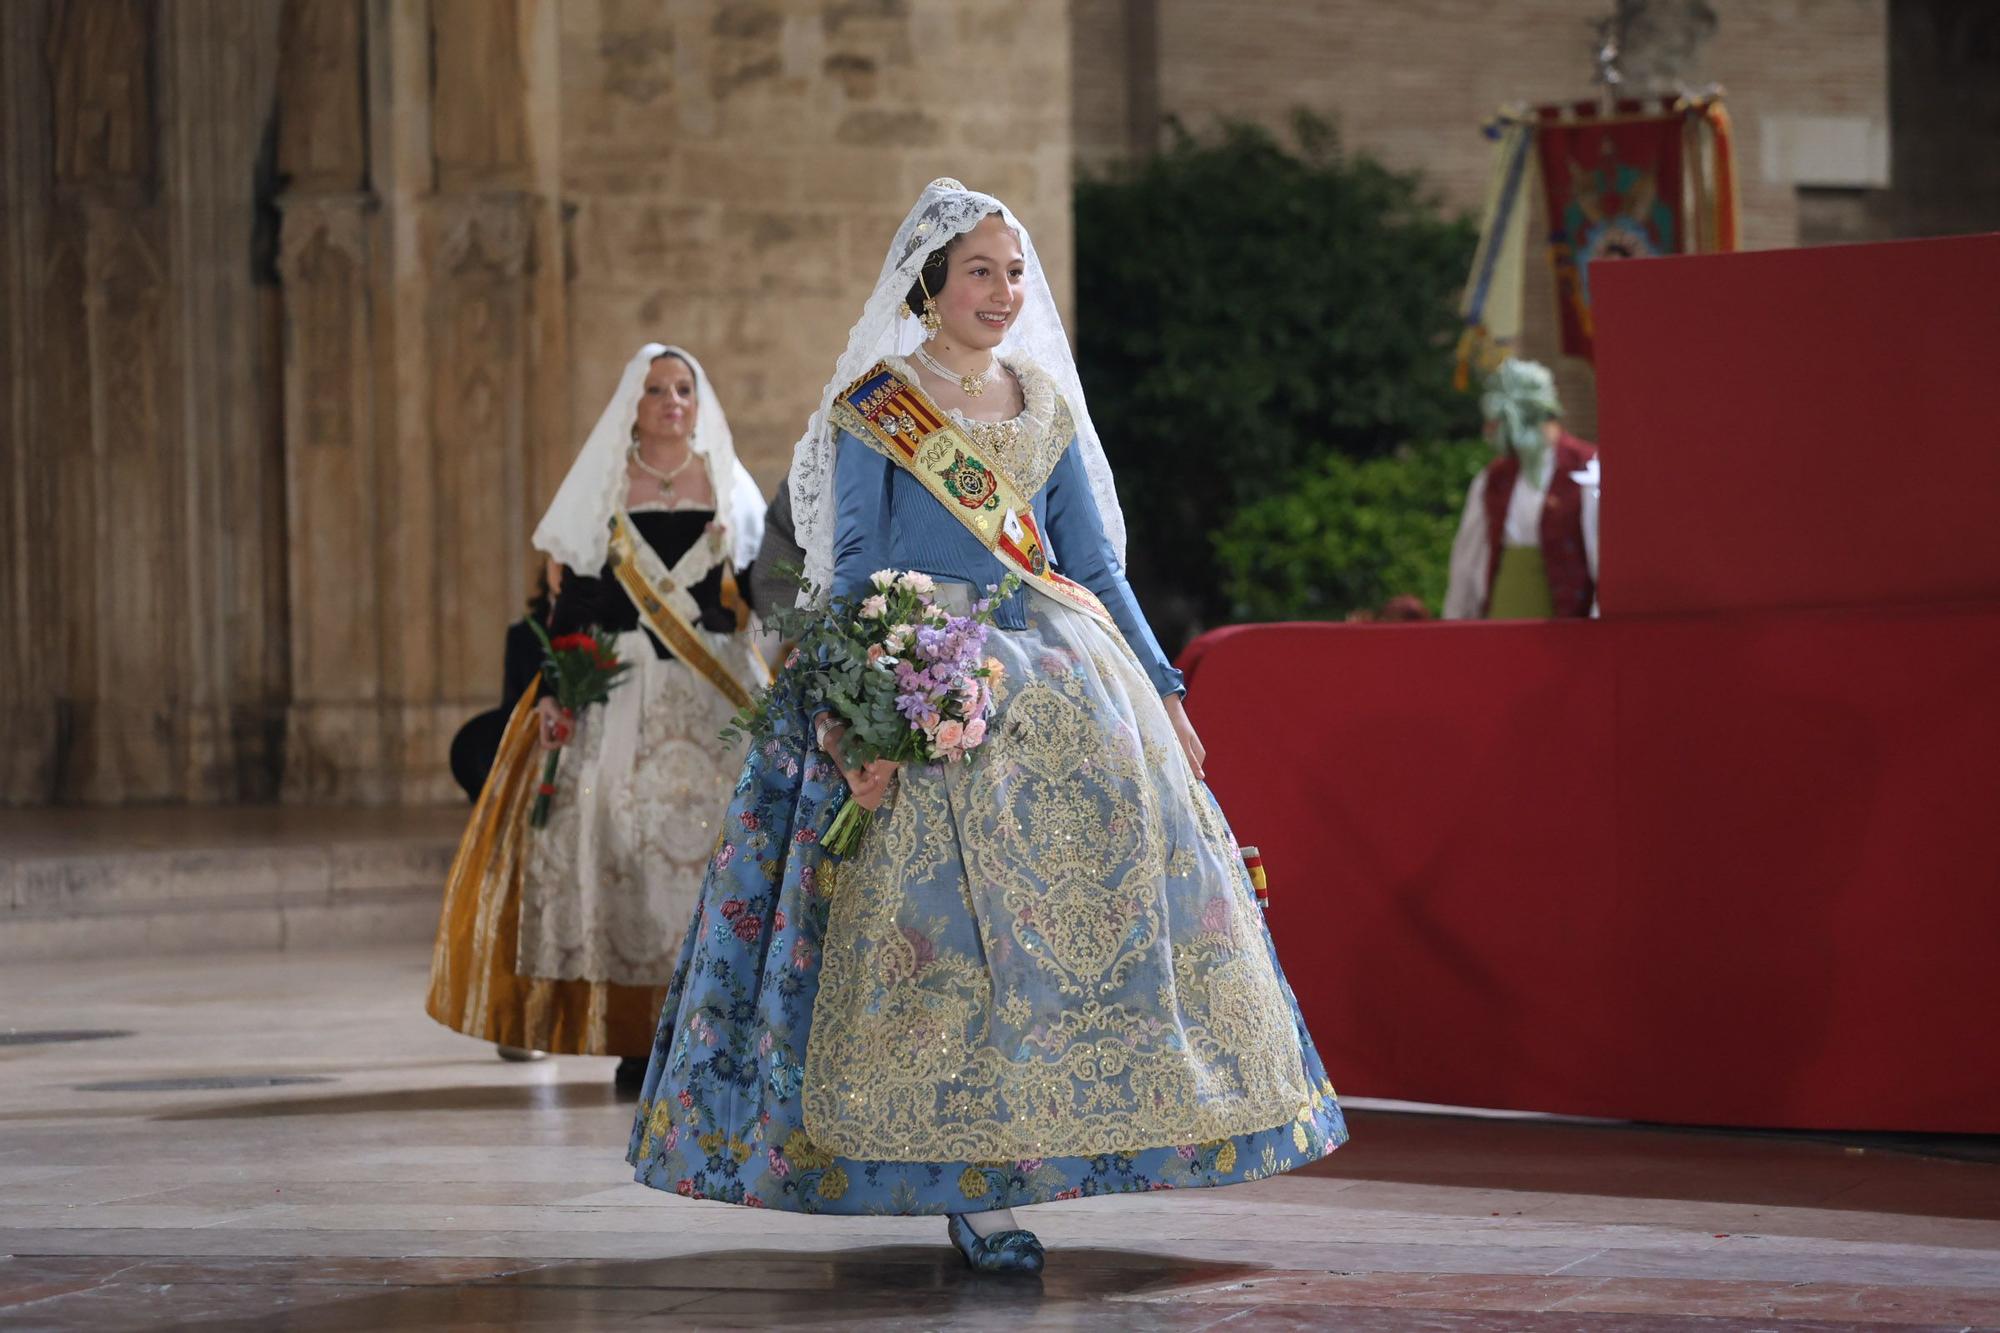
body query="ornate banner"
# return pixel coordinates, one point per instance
(1636, 180)
(1614, 186)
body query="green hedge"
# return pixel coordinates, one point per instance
(1346, 535)
(1247, 308)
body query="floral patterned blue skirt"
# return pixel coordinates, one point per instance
(1041, 975)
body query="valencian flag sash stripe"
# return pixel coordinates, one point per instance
(885, 407)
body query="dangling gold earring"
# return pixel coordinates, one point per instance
(930, 319)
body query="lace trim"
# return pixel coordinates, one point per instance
(944, 210)
(610, 884)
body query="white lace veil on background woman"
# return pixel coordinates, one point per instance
(576, 528)
(945, 210)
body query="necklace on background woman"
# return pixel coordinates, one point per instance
(665, 479)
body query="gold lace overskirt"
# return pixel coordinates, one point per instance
(1052, 950)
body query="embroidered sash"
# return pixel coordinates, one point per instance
(887, 408)
(660, 614)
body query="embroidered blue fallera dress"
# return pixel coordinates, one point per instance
(1041, 975)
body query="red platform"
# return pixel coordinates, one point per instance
(1732, 861)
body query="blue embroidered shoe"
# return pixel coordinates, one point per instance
(1001, 1252)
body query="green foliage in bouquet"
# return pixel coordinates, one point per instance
(910, 679)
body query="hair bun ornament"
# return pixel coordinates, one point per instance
(946, 183)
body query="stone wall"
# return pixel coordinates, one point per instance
(734, 171)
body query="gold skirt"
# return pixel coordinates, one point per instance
(474, 987)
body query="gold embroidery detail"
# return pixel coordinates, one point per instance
(803, 1153)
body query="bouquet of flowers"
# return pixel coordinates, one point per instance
(910, 680)
(581, 669)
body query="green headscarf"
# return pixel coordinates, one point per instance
(1520, 396)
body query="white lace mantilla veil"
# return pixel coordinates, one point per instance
(945, 209)
(577, 527)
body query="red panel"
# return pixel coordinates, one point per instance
(1437, 840)
(1731, 869)
(1801, 427)
(1807, 839)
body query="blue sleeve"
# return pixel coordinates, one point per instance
(1084, 553)
(861, 480)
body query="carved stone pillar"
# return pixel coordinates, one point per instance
(219, 61)
(136, 454)
(34, 647)
(424, 317)
(335, 746)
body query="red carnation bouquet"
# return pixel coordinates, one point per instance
(580, 669)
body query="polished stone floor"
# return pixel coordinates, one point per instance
(408, 1179)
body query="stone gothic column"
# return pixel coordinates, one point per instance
(424, 323)
(137, 462)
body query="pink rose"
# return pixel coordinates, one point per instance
(949, 734)
(975, 732)
(875, 653)
(930, 722)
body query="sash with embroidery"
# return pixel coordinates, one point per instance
(887, 408)
(660, 615)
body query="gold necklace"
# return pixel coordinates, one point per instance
(666, 479)
(969, 385)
